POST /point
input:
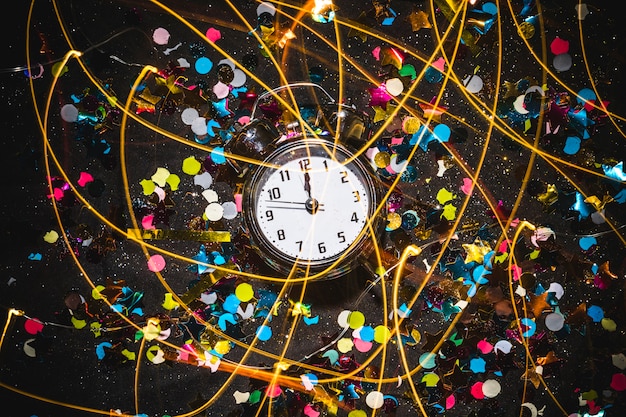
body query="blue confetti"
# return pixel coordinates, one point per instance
(477, 365)
(231, 303)
(311, 320)
(100, 349)
(572, 145)
(587, 242)
(264, 333)
(226, 318)
(596, 313)
(203, 65)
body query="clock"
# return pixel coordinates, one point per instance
(310, 206)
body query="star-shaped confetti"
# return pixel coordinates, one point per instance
(419, 20)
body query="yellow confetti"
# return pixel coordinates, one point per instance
(130, 355)
(534, 254)
(449, 212)
(148, 186)
(96, 329)
(356, 319)
(430, 379)
(152, 330)
(609, 325)
(444, 196)
(79, 324)
(160, 176)
(527, 125)
(476, 251)
(169, 303)
(410, 125)
(173, 180)
(51, 237)
(95, 293)
(244, 292)
(381, 334)
(222, 347)
(345, 344)
(191, 166)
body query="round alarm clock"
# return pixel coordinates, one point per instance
(309, 205)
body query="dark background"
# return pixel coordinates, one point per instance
(66, 369)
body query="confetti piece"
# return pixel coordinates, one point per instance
(203, 65)
(572, 145)
(618, 382)
(244, 292)
(427, 360)
(430, 379)
(241, 397)
(214, 212)
(444, 196)
(161, 36)
(160, 176)
(69, 113)
(84, 179)
(609, 324)
(213, 35)
(596, 313)
(100, 352)
(381, 334)
(148, 186)
(554, 321)
(189, 115)
(528, 327)
(33, 326)
(156, 263)
(587, 242)
(51, 236)
(477, 390)
(264, 333)
(345, 345)
(356, 319)
(477, 365)
(491, 388)
(273, 391)
(362, 346)
(375, 399)
(169, 303)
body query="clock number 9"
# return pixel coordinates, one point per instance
(270, 215)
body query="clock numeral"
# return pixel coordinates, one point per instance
(344, 177)
(281, 234)
(284, 175)
(357, 196)
(321, 247)
(274, 193)
(299, 243)
(354, 217)
(269, 214)
(341, 236)
(304, 164)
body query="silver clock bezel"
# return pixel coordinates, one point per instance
(284, 263)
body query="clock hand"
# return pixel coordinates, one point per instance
(304, 207)
(307, 184)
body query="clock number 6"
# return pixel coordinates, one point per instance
(321, 247)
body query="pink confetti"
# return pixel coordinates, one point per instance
(361, 345)
(376, 53)
(466, 188)
(273, 391)
(33, 326)
(156, 263)
(559, 46)
(85, 178)
(517, 272)
(484, 346)
(161, 36)
(504, 246)
(309, 411)
(450, 401)
(147, 222)
(477, 391)
(213, 35)
(440, 64)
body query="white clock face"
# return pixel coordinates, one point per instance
(310, 206)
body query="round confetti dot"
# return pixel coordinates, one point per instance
(587, 242)
(239, 78)
(357, 413)
(161, 36)
(156, 263)
(409, 175)
(214, 212)
(199, 126)
(273, 391)
(477, 391)
(382, 159)
(503, 346)
(213, 34)
(585, 95)
(33, 326)
(410, 125)
(618, 382)
(191, 166)
(345, 345)
(244, 292)
(362, 346)
(356, 319)
(427, 360)
(264, 333)
(562, 62)
(473, 83)
(210, 196)
(409, 220)
(572, 145)
(491, 388)
(596, 313)
(430, 379)
(189, 115)
(230, 210)
(394, 86)
(441, 132)
(394, 221)
(366, 333)
(265, 7)
(559, 46)
(203, 65)
(381, 334)
(554, 321)
(490, 8)
(526, 30)
(221, 90)
(608, 324)
(217, 155)
(375, 399)
(69, 113)
(342, 319)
